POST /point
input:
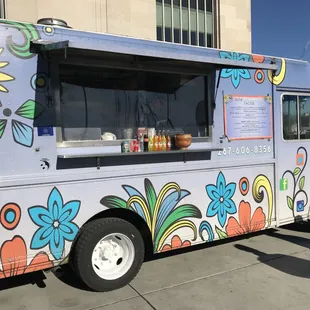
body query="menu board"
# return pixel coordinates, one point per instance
(247, 117)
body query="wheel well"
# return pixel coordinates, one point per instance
(134, 219)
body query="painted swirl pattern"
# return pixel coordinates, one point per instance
(29, 33)
(277, 79)
(262, 182)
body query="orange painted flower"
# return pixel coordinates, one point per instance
(246, 224)
(258, 58)
(176, 243)
(13, 256)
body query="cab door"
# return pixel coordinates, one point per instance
(292, 147)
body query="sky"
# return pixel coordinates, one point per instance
(281, 27)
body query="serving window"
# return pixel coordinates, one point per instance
(113, 104)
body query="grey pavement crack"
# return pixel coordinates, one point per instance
(143, 297)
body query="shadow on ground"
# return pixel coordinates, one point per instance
(34, 278)
(67, 276)
(290, 265)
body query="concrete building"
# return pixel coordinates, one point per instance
(222, 24)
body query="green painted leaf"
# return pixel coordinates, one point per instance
(64, 261)
(3, 123)
(302, 183)
(181, 212)
(297, 171)
(222, 234)
(113, 202)
(30, 109)
(289, 202)
(150, 195)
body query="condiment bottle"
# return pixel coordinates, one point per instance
(160, 144)
(168, 143)
(136, 145)
(141, 143)
(146, 142)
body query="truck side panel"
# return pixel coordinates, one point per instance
(42, 208)
(179, 209)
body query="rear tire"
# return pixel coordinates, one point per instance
(108, 254)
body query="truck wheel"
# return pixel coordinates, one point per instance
(108, 254)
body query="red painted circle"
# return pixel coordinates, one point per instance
(7, 209)
(244, 186)
(259, 76)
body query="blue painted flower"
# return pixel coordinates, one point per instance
(221, 196)
(55, 223)
(235, 74)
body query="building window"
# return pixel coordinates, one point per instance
(185, 21)
(296, 117)
(2, 9)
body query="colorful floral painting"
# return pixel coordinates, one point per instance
(13, 257)
(176, 243)
(235, 74)
(246, 223)
(221, 196)
(22, 132)
(55, 222)
(296, 183)
(160, 211)
(29, 33)
(4, 77)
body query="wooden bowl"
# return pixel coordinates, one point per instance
(183, 141)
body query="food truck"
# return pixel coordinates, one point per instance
(115, 147)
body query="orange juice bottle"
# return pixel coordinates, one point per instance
(163, 142)
(155, 142)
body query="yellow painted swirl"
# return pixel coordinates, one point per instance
(144, 207)
(159, 201)
(278, 79)
(262, 182)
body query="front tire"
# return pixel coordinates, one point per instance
(108, 254)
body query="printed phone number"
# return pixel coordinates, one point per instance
(241, 150)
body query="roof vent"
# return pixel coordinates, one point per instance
(55, 22)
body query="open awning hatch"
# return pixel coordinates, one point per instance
(174, 52)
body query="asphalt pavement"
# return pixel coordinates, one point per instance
(270, 270)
